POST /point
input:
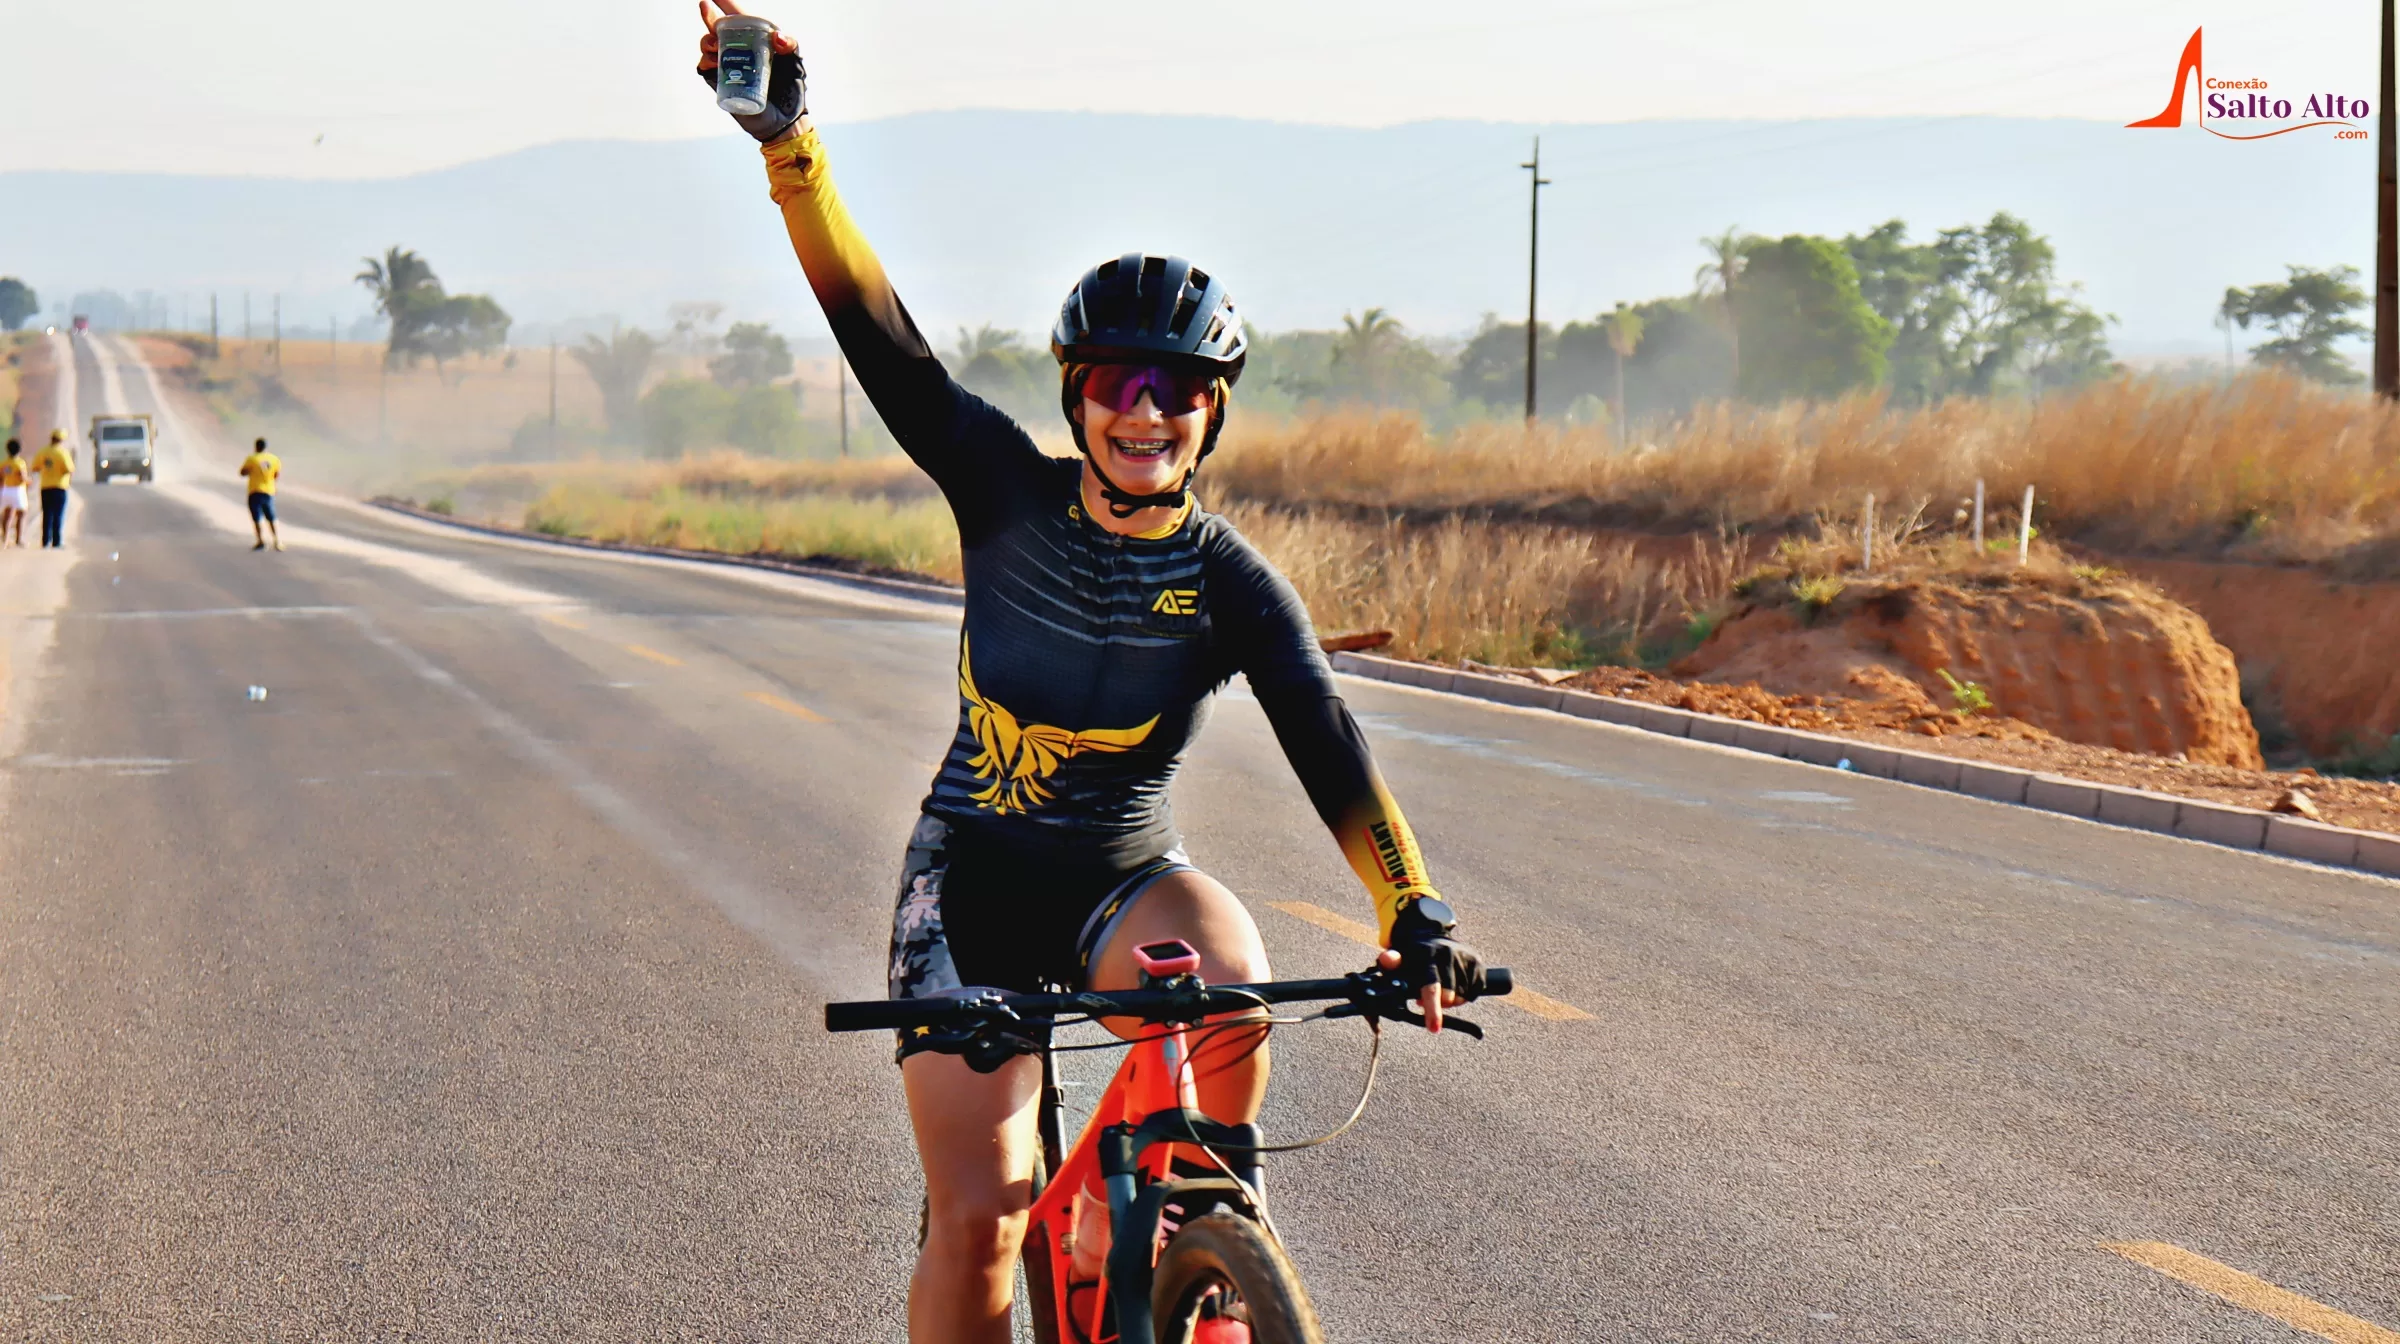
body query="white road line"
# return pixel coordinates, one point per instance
(63, 391)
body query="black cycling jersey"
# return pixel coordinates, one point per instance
(1087, 659)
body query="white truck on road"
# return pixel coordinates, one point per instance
(122, 445)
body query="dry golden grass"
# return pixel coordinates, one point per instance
(1511, 594)
(914, 536)
(1491, 544)
(501, 490)
(2267, 466)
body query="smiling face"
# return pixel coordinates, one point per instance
(1143, 450)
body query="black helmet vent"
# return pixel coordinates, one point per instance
(1148, 307)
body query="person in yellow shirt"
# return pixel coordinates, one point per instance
(12, 493)
(55, 466)
(260, 469)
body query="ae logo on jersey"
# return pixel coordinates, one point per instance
(1175, 611)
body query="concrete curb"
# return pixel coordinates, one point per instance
(2191, 818)
(874, 583)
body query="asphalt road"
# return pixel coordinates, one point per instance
(466, 987)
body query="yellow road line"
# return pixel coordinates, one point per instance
(1330, 922)
(654, 655)
(797, 711)
(1543, 1006)
(2252, 1293)
(1540, 1005)
(560, 619)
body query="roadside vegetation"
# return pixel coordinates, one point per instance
(1556, 545)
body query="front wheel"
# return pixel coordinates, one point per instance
(1223, 1280)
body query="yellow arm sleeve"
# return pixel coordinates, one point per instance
(1382, 850)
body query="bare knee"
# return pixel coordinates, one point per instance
(978, 1228)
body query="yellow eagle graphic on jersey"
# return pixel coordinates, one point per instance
(1017, 757)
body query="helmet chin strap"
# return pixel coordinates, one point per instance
(1125, 504)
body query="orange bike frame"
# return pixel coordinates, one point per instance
(1155, 1082)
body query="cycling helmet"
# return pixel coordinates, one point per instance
(1143, 309)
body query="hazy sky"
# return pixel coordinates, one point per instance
(244, 86)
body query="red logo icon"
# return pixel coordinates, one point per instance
(2248, 102)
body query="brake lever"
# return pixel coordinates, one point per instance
(1389, 1010)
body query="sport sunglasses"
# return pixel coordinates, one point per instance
(1173, 391)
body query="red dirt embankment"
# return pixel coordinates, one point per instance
(2322, 656)
(2105, 663)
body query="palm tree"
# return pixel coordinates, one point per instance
(617, 367)
(1717, 275)
(405, 290)
(1364, 346)
(1624, 330)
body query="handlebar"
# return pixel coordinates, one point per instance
(1376, 993)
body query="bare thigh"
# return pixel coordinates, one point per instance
(975, 1133)
(1197, 908)
(1230, 1067)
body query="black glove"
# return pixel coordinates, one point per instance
(787, 96)
(1428, 954)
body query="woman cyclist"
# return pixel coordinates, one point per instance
(1103, 610)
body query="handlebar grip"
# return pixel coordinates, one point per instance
(880, 1014)
(1497, 982)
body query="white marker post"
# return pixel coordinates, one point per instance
(1979, 517)
(1866, 537)
(2025, 529)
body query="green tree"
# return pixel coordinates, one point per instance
(1999, 293)
(406, 293)
(461, 324)
(1624, 328)
(1374, 360)
(1717, 277)
(1902, 282)
(681, 414)
(1978, 310)
(754, 356)
(17, 302)
(1003, 368)
(618, 366)
(1491, 367)
(2068, 344)
(1804, 329)
(2308, 312)
(426, 321)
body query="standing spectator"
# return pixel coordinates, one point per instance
(260, 469)
(55, 465)
(12, 493)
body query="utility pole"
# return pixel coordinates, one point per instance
(215, 351)
(2387, 224)
(1533, 274)
(554, 396)
(841, 374)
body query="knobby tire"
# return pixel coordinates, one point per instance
(1223, 1251)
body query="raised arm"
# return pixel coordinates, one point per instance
(897, 370)
(976, 454)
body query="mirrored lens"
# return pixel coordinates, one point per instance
(1119, 387)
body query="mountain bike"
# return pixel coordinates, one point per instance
(1192, 1256)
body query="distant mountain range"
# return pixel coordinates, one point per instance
(989, 216)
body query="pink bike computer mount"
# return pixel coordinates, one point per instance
(1172, 957)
